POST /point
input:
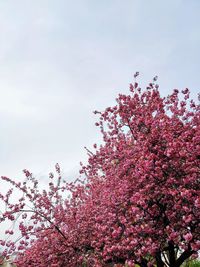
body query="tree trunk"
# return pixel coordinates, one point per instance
(159, 260)
(172, 254)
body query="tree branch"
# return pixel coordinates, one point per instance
(185, 255)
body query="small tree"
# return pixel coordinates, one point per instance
(138, 202)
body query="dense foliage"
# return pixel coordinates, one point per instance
(137, 201)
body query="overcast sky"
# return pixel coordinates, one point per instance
(62, 59)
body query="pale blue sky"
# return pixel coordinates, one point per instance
(60, 60)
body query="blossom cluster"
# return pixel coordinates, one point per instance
(137, 200)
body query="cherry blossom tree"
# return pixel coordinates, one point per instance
(138, 201)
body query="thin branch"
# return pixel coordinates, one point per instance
(90, 152)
